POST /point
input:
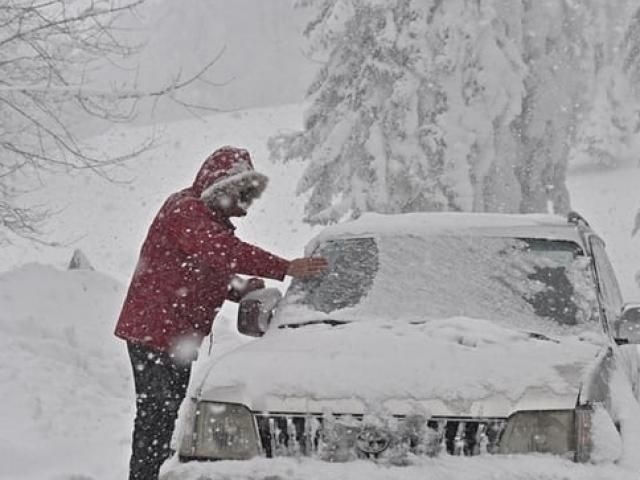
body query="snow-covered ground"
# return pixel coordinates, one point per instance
(66, 390)
(68, 402)
(66, 395)
(447, 468)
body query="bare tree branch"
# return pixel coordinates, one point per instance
(49, 50)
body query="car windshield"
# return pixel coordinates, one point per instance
(537, 285)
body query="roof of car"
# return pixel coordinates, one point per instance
(552, 227)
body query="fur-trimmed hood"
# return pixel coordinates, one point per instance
(227, 170)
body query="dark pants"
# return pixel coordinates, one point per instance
(161, 385)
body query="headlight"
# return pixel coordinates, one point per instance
(220, 431)
(560, 432)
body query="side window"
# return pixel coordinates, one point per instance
(607, 281)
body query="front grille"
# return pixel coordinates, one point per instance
(284, 435)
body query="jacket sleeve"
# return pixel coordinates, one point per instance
(192, 227)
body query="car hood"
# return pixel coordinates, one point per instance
(449, 367)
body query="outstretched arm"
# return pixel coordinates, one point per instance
(194, 228)
(307, 267)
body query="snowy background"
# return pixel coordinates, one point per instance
(66, 391)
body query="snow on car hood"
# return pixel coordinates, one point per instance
(457, 366)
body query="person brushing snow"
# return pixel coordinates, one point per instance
(185, 272)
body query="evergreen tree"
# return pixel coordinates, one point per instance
(552, 50)
(607, 129)
(442, 105)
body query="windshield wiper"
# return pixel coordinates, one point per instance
(333, 323)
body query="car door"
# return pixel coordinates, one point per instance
(627, 356)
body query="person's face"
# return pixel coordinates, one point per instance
(237, 208)
(235, 204)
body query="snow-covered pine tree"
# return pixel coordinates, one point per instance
(630, 54)
(606, 127)
(482, 77)
(408, 108)
(440, 105)
(631, 50)
(552, 43)
(606, 135)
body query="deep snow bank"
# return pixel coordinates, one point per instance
(66, 396)
(66, 389)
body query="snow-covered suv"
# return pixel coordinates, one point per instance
(465, 334)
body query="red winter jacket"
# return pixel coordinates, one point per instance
(186, 263)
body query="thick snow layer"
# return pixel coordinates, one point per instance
(66, 396)
(525, 226)
(401, 278)
(397, 368)
(447, 468)
(607, 442)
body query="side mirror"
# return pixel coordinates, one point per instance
(256, 310)
(627, 330)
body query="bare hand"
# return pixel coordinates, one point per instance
(307, 267)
